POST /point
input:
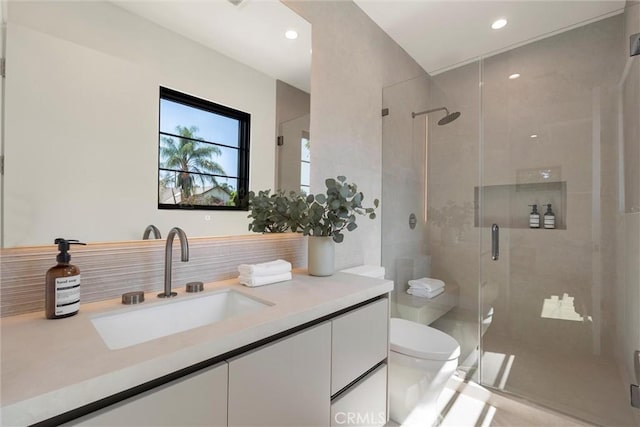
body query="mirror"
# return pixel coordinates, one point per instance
(81, 110)
(293, 149)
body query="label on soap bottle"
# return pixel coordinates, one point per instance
(549, 221)
(67, 295)
(534, 221)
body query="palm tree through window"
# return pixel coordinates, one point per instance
(203, 154)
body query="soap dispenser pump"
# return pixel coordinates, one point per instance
(534, 217)
(549, 218)
(62, 292)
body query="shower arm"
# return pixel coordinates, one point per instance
(414, 115)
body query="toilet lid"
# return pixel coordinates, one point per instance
(421, 341)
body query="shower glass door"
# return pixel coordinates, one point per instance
(550, 304)
(428, 175)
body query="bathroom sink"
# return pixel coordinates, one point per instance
(134, 326)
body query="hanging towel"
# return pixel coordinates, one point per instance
(265, 269)
(264, 280)
(424, 293)
(427, 283)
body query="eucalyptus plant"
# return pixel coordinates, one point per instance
(324, 214)
(269, 212)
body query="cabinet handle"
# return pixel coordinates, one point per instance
(495, 242)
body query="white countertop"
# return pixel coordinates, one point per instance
(53, 366)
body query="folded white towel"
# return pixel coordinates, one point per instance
(427, 283)
(424, 293)
(265, 269)
(264, 280)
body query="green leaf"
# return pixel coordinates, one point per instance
(342, 178)
(352, 226)
(372, 215)
(344, 192)
(310, 198)
(330, 183)
(321, 198)
(338, 237)
(376, 203)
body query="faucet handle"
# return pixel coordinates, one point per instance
(195, 287)
(135, 297)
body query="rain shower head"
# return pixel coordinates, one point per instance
(448, 118)
(443, 121)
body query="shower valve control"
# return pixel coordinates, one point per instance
(412, 221)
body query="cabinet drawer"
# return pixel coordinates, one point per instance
(359, 341)
(199, 399)
(285, 383)
(364, 404)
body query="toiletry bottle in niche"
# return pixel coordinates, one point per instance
(549, 218)
(62, 291)
(534, 217)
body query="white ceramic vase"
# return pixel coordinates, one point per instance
(321, 255)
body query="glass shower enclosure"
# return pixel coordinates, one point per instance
(553, 316)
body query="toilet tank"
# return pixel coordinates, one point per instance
(375, 271)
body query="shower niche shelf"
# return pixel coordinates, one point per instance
(507, 205)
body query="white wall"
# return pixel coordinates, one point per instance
(82, 122)
(352, 60)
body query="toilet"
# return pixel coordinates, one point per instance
(421, 361)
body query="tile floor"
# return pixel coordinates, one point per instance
(471, 405)
(579, 384)
(466, 404)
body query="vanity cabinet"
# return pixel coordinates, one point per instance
(285, 383)
(330, 373)
(198, 399)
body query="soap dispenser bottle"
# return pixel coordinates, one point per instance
(534, 217)
(549, 218)
(62, 292)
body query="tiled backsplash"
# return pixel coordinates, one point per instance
(110, 269)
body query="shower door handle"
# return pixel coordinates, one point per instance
(495, 242)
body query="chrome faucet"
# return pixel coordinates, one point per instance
(184, 247)
(151, 229)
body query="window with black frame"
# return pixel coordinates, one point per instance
(203, 154)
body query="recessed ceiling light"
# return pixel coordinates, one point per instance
(514, 76)
(499, 23)
(291, 34)
(533, 136)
